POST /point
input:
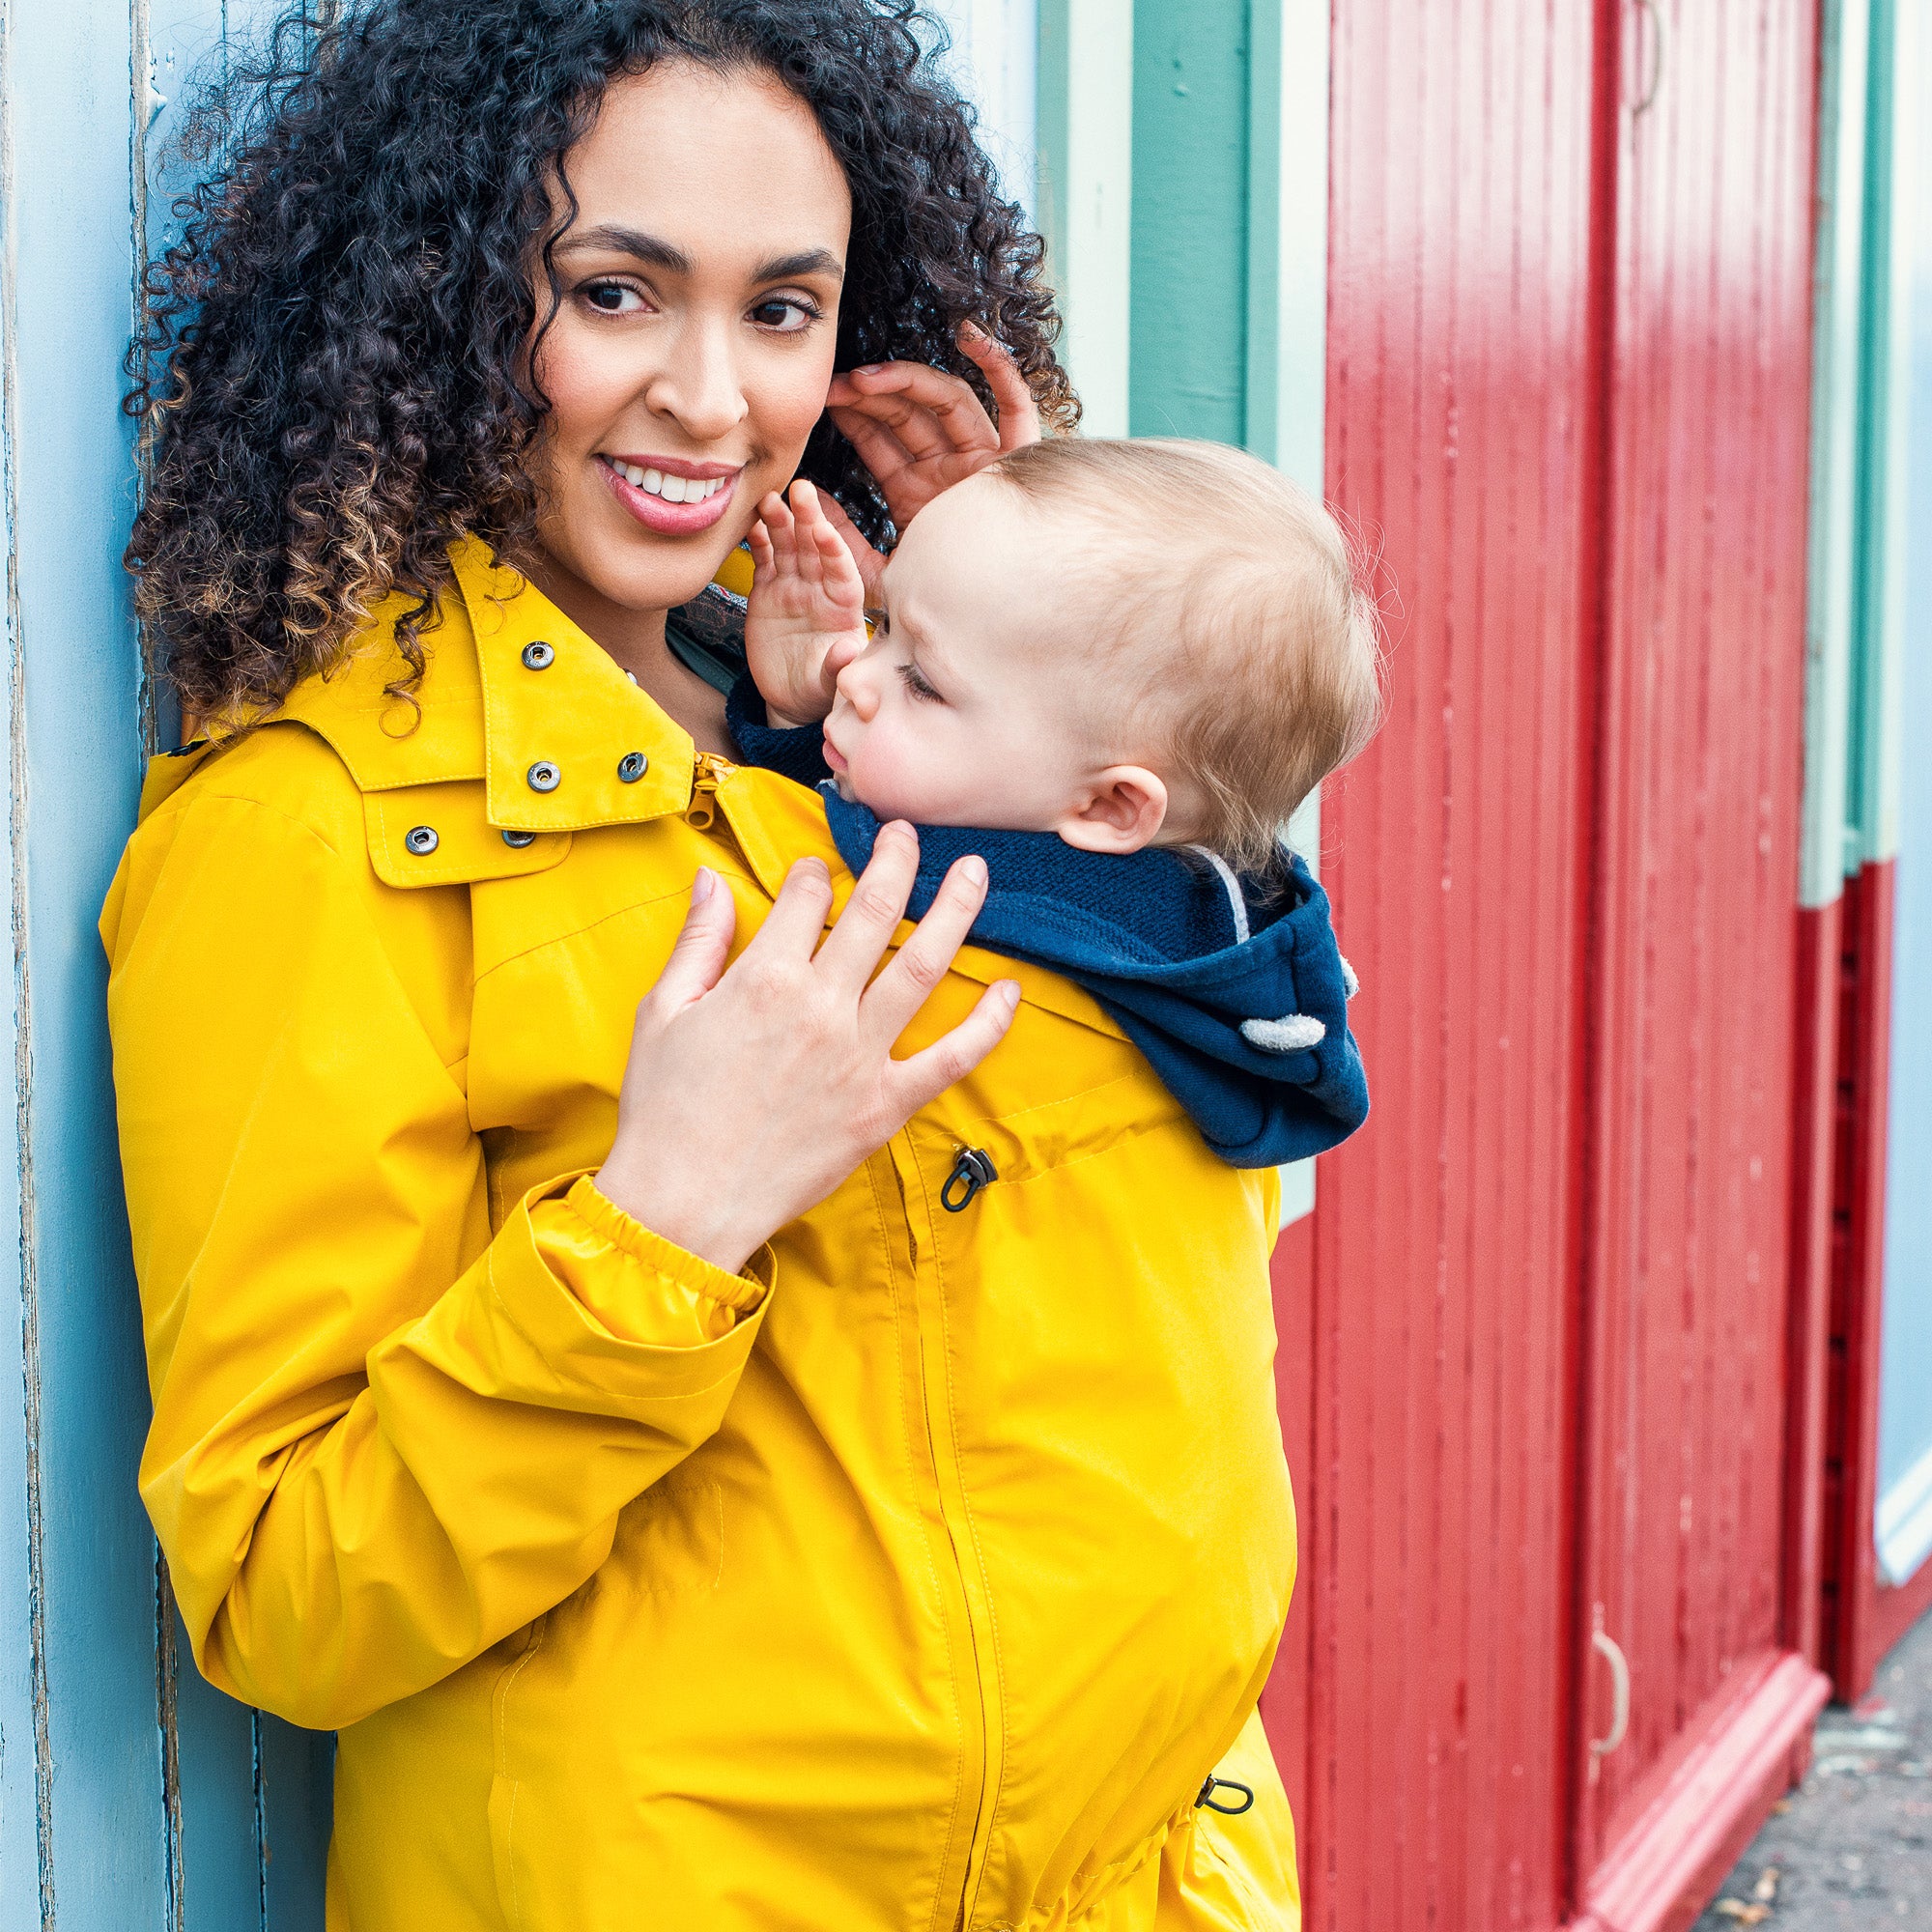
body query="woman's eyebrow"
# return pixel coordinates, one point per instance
(658, 253)
(616, 239)
(807, 262)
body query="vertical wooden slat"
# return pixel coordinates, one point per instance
(100, 1856)
(1459, 231)
(1695, 961)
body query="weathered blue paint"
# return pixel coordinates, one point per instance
(93, 1775)
(131, 1793)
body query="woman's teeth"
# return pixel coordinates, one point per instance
(672, 488)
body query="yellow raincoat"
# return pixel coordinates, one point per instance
(915, 1579)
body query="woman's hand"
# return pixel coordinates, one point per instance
(920, 430)
(749, 1097)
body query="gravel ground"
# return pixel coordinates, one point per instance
(1852, 1846)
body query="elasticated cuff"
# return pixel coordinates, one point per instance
(741, 1292)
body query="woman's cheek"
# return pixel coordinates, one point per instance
(789, 398)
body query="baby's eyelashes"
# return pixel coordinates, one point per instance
(917, 686)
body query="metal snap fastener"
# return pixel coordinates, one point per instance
(543, 776)
(421, 839)
(539, 655)
(516, 841)
(632, 766)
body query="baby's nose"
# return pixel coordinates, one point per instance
(859, 691)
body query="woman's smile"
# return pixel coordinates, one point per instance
(668, 495)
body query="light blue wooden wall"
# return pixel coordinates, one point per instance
(1905, 1374)
(131, 1796)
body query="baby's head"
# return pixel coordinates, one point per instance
(1127, 644)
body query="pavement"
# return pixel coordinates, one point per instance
(1852, 1846)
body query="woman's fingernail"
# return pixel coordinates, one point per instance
(869, 368)
(974, 871)
(1009, 991)
(701, 887)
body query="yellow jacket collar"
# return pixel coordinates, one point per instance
(516, 694)
(569, 741)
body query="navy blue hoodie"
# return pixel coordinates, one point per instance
(1231, 987)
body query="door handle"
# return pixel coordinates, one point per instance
(1648, 10)
(1607, 1647)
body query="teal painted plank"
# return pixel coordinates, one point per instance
(1189, 353)
(297, 1770)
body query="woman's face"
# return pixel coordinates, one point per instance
(691, 356)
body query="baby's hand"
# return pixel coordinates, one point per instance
(806, 619)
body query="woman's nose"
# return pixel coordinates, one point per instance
(698, 385)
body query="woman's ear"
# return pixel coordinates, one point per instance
(1119, 811)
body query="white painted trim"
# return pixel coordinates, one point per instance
(1288, 262)
(1904, 1523)
(992, 62)
(1085, 194)
(1287, 308)
(1836, 291)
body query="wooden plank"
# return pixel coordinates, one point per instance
(1458, 221)
(1188, 348)
(94, 1754)
(1086, 196)
(1696, 956)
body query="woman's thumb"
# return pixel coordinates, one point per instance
(697, 959)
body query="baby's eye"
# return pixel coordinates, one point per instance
(613, 297)
(913, 680)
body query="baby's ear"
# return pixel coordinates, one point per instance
(1119, 811)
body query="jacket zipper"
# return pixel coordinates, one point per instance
(707, 768)
(978, 1689)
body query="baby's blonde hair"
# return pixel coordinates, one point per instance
(1196, 558)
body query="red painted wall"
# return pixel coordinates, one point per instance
(1440, 1430)
(1534, 1349)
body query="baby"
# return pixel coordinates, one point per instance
(1120, 667)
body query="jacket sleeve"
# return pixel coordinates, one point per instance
(383, 1438)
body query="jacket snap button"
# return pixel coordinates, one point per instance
(539, 655)
(516, 841)
(971, 1172)
(543, 776)
(632, 766)
(421, 839)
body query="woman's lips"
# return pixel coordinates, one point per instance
(667, 518)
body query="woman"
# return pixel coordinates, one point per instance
(569, 1381)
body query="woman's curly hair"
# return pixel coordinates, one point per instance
(332, 372)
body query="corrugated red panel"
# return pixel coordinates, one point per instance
(1546, 1309)
(1437, 1559)
(1691, 1012)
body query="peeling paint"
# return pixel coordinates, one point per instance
(17, 827)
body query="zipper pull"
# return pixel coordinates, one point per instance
(972, 1171)
(1208, 1794)
(707, 769)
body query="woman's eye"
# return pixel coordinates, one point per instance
(916, 685)
(613, 297)
(784, 315)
